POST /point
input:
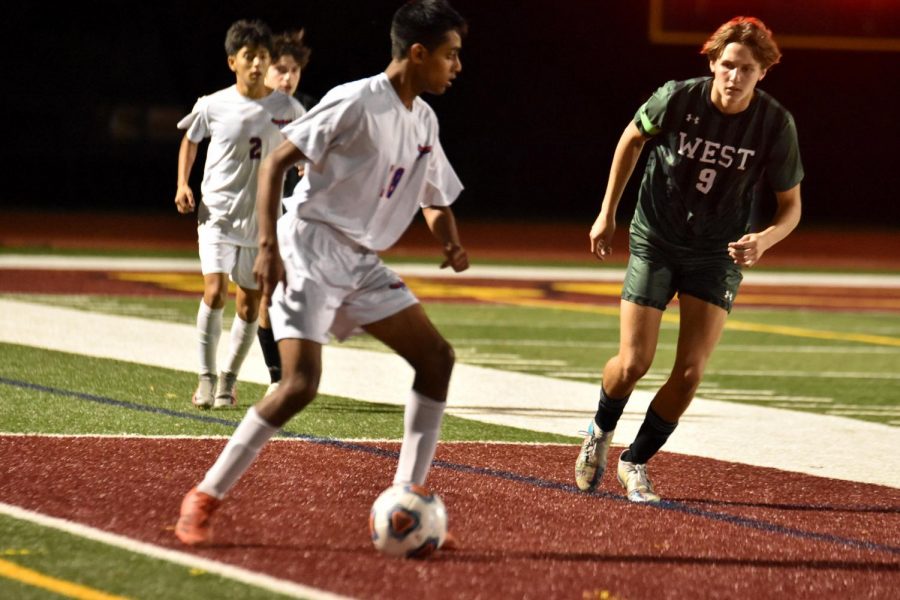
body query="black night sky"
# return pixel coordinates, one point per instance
(530, 125)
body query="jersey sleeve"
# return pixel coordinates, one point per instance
(331, 122)
(651, 115)
(298, 109)
(442, 185)
(785, 169)
(196, 122)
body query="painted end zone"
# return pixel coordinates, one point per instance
(300, 514)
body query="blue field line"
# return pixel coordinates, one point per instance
(499, 474)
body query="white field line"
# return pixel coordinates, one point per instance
(712, 388)
(781, 400)
(810, 349)
(807, 374)
(511, 362)
(598, 324)
(870, 413)
(886, 409)
(728, 431)
(531, 273)
(259, 580)
(278, 438)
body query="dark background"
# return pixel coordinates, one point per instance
(92, 94)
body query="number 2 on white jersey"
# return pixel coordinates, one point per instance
(255, 148)
(706, 177)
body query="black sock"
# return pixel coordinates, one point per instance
(609, 410)
(270, 352)
(650, 438)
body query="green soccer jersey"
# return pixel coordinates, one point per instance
(705, 168)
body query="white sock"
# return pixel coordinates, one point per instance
(237, 456)
(421, 429)
(209, 328)
(243, 334)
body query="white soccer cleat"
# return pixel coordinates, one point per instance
(591, 463)
(637, 484)
(204, 396)
(271, 389)
(226, 391)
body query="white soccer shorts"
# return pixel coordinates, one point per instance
(218, 256)
(334, 285)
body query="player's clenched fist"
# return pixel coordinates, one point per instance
(457, 257)
(184, 199)
(268, 269)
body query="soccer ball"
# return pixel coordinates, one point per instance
(408, 521)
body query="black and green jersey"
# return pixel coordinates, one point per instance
(705, 167)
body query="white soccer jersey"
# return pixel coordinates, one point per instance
(242, 132)
(372, 162)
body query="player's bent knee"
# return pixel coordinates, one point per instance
(448, 355)
(215, 295)
(443, 359)
(633, 370)
(435, 358)
(687, 379)
(248, 313)
(248, 305)
(297, 391)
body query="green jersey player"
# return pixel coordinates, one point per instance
(714, 143)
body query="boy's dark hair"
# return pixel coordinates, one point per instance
(425, 22)
(291, 43)
(254, 34)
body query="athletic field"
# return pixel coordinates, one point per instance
(781, 480)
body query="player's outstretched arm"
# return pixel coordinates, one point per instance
(268, 268)
(442, 224)
(184, 196)
(628, 150)
(749, 249)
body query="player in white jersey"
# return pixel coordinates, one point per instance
(290, 55)
(374, 160)
(243, 123)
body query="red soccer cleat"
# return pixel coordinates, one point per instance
(450, 542)
(193, 527)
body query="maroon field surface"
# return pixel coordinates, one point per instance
(500, 240)
(833, 298)
(724, 530)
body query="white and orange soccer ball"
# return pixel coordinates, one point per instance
(408, 521)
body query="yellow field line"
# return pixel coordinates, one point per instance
(813, 302)
(57, 586)
(802, 332)
(610, 311)
(526, 296)
(615, 290)
(864, 338)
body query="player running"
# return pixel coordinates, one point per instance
(290, 55)
(714, 142)
(374, 159)
(243, 123)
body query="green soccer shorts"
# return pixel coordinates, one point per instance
(656, 273)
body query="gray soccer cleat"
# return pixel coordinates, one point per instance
(637, 484)
(591, 463)
(204, 396)
(226, 391)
